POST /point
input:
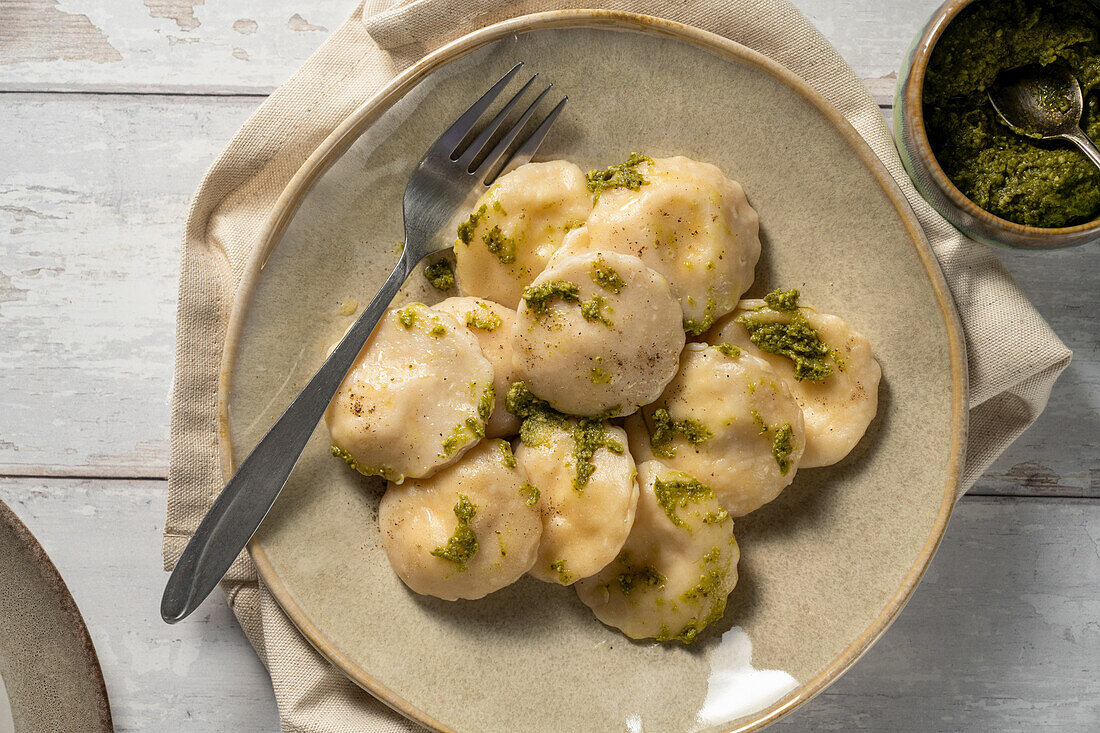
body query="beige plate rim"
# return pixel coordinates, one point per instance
(99, 719)
(348, 131)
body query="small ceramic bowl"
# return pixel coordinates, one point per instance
(928, 176)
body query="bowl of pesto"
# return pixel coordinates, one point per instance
(993, 184)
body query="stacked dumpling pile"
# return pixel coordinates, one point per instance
(556, 420)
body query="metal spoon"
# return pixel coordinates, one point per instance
(1042, 102)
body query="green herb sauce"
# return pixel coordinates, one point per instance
(538, 297)
(440, 275)
(563, 575)
(592, 310)
(697, 326)
(532, 492)
(606, 277)
(381, 470)
(665, 430)
(678, 493)
(1027, 181)
(599, 375)
(482, 317)
(539, 418)
(462, 545)
(500, 246)
(728, 350)
(623, 175)
(635, 576)
(466, 229)
(506, 458)
(795, 339)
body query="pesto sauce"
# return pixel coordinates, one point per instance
(440, 275)
(409, 315)
(665, 430)
(606, 277)
(623, 175)
(482, 317)
(782, 447)
(500, 246)
(538, 418)
(716, 517)
(709, 590)
(636, 576)
(678, 493)
(783, 301)
(599, 375)
(1027, 181)
(466, 229)
(592, 310)
(795, 339)
(463, 543)
(781, 437)
(728, 350)
(589, 435)
(563, 575)
(472, 428)
(533, 493)
(506, 458)
(381, 470)
(538, 297)
(697, 326)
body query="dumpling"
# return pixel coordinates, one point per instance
(597, 333)
(465, 532)
(672, 577)
(491, 325)
(587, 489)
(826, 364)
(687, 221)
(515, 226)
(418, 396)
(728, 420)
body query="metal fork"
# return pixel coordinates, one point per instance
(444, 180)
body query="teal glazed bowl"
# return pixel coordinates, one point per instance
(929, 177)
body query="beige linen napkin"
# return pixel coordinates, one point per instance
(1008, 387)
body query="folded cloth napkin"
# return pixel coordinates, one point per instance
(1008, 386)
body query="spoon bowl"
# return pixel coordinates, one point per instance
(1042, 102)
(1038, 101)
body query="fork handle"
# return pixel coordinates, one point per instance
(246, 499)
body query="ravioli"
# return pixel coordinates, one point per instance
(673, 574)
(836, 409)
(418, 396)
(491, 325)
(466, 531)
(597, 333)
(728, 420)
(587, 504)
(515, 227)
(690, 223)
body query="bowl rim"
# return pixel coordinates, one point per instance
(344, 135)
(913, 96)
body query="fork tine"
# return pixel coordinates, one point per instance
(529, 147)
(449, 141)
(482, 140)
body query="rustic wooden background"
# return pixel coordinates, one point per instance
(112, 109)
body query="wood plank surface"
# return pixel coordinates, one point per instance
(1000, 635)
(242, 47)
(89, 252)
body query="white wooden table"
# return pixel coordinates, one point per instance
(110, 111)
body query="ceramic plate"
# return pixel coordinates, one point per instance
(824, 569)
(49, 674)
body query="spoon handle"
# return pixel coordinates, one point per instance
(1081, 140)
